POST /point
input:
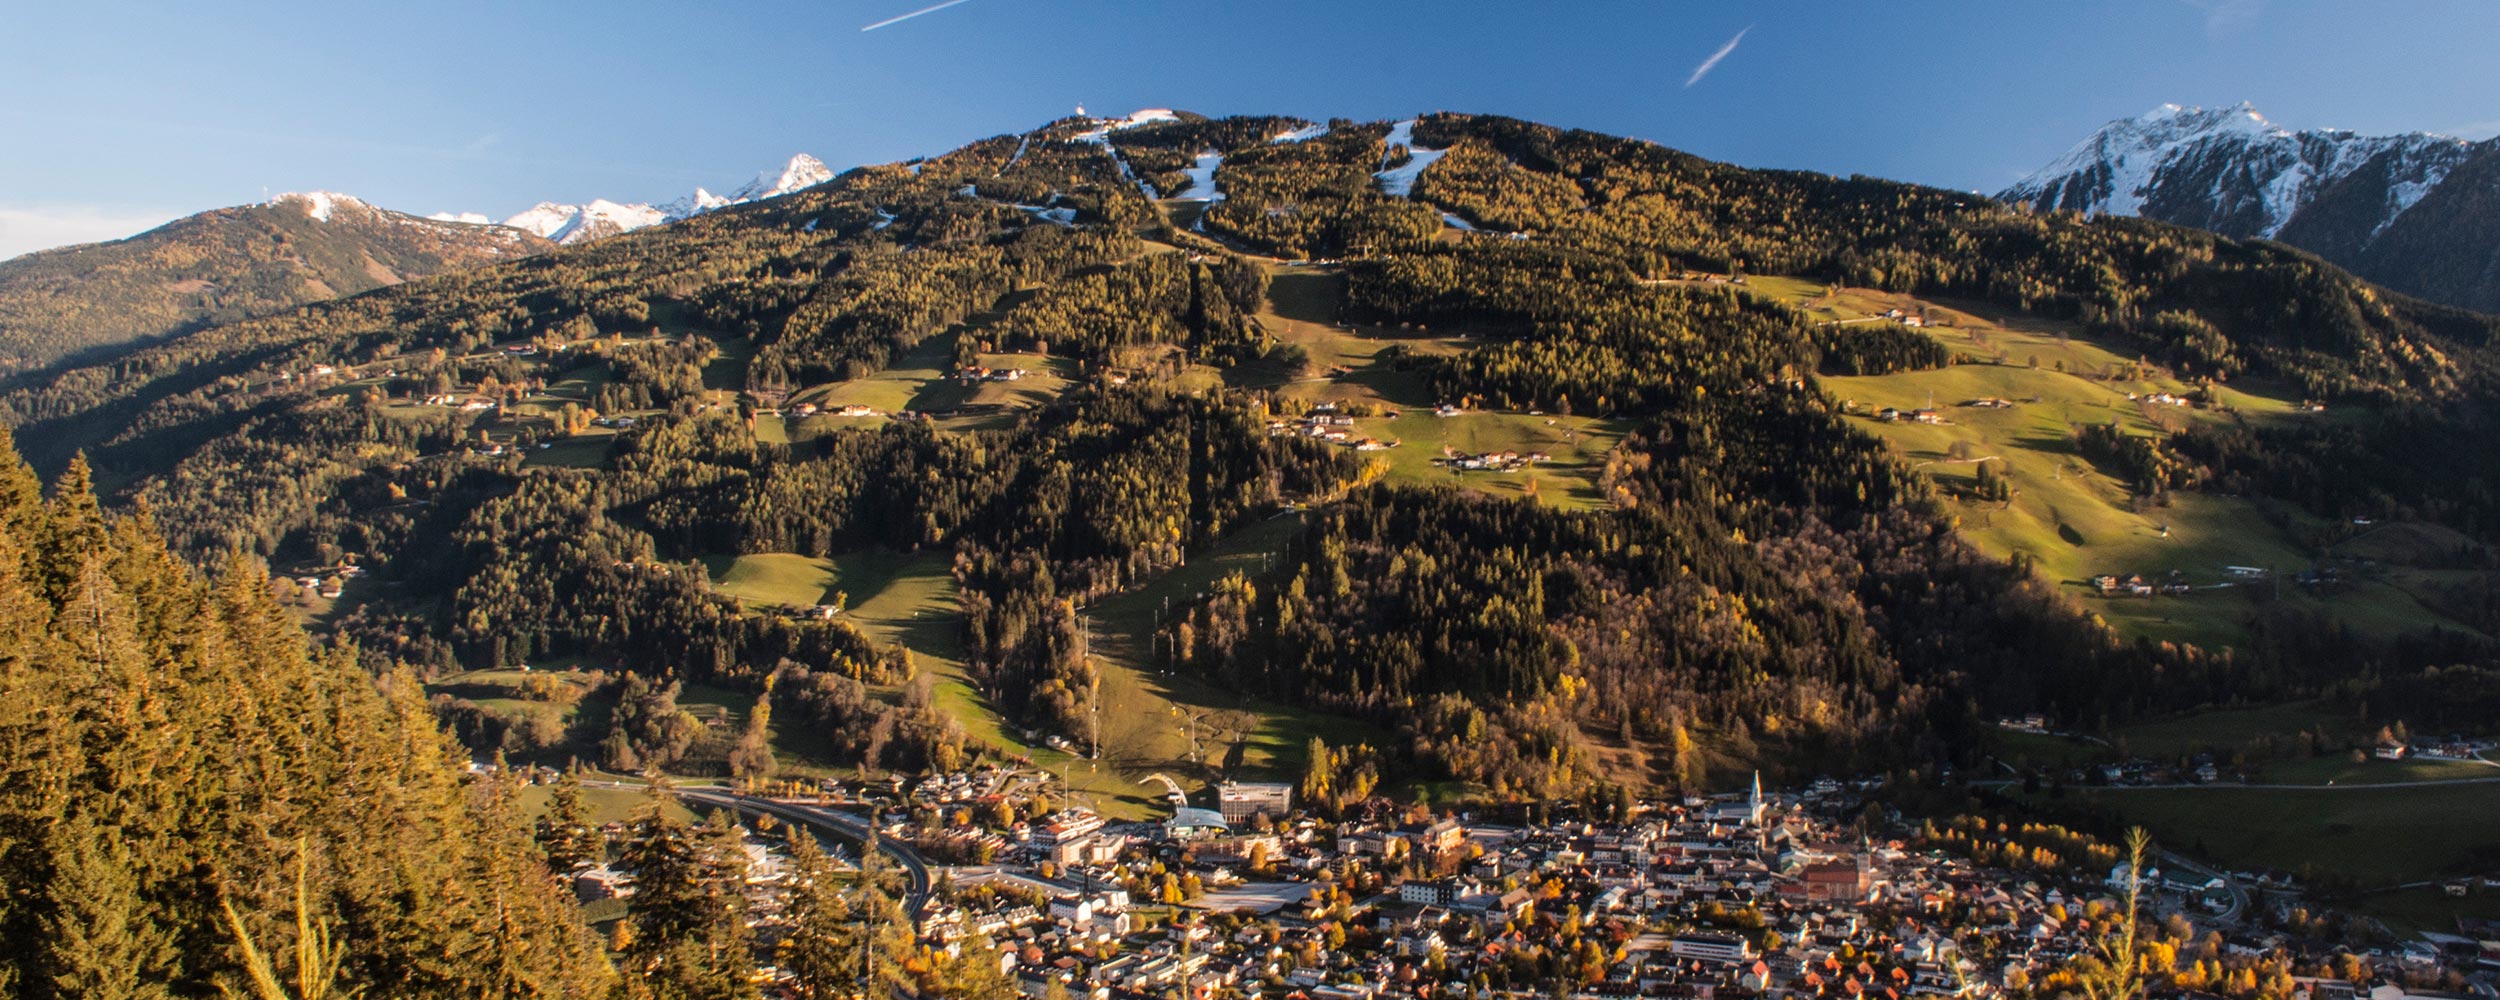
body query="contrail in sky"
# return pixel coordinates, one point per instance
(1698, 71)
(931, 9)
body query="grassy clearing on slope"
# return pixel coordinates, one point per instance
(605, 805)
(727, 371)
(2230, 728)
(580, 451)
(1343, 365)
(780, 578)
(1148, 712)
(2376, 836)
(1578, 446)
(2260, 736)
(1345, 368)
(891, 389)
(917, 609)
(2071, 518)
(2341, 769)
(2428, 908)
(1148, 718)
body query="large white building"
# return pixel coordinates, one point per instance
(1725, 949)
(1240, 800)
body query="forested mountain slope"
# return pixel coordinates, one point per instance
(227, 265)
(532, 463)
(173, 749)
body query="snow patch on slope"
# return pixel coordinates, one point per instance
(1399, 181)
(1201, 174)
(1304, 134)
(1100, 135)
(319, 205)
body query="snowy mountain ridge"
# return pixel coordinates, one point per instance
(333, 207)
(2418, 212)
(2232, 171)
(600, 217)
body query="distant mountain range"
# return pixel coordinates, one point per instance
(600, 217)
(2419, 213)
(226, 265)
(232, 264)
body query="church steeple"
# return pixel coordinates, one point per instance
(1753, 802)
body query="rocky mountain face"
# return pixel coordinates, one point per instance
(226, 265)
(2419, 213)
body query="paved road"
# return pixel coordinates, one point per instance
(2233, 785)
(2354, 787)
(2239, 893)
(840, 824)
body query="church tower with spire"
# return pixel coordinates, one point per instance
(1753, 802)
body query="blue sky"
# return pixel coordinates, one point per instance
(117, 116)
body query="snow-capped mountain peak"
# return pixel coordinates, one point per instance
(545, 218)
(320, 205)
(2415, 212)
(699, 202)
(803, 171)
(600, 218)
(2230, 169)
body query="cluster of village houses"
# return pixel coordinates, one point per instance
(1931, 415)
(2175, 583)
(848, 410)
(1492, 461)
(1742, 896)
(329, 581)
(2135, 585)
(977, 374)
(1326, 424)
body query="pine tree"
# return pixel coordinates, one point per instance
(317, 953)
(21, 493)
(690, 935)
(565, 834)
(74, 530)
(2113, 967)
(885, 931)
(103, 941)
(822, 949)
(171, 746)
